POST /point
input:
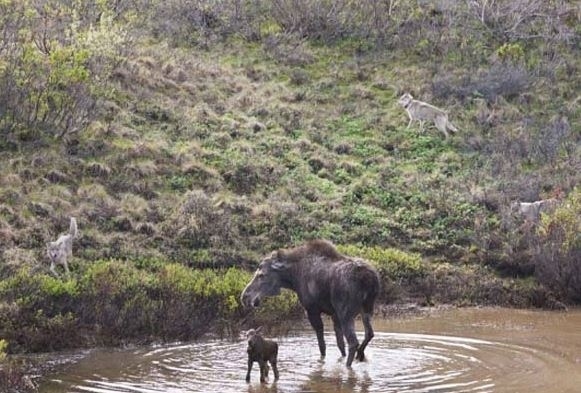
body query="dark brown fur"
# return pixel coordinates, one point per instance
(326, 282)
(262, 351)
(321, 248)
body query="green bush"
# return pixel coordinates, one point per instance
(53, 69)
(3, 347)
(114, 301)
(557, 257)
(390, 262)
(279, 309)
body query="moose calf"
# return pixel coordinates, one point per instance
(262, 351)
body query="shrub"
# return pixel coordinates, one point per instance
(114, 301)
(391, 263)
(3, 347)
(275, 310)
(198, 223)
(53, 68)
(501, 80)
(557, 258)
(201, 22)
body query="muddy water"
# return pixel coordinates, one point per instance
(466, 350)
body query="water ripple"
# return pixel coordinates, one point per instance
(396, 363)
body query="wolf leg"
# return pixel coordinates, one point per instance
(441, 125)
(52, 269)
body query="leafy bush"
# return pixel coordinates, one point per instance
(201, 22)
(279, 309)
(557, 257)
(3, 347)
(53, 70)
(114, 301)
(391, 263)
(507, 81)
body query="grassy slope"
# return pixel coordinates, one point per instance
(218, 157)
(215, 157)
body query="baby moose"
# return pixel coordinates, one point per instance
(262, 351)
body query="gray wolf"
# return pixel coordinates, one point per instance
(531, 211)
(60, 250)
(325, 282)
(422, 112)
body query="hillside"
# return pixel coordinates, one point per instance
(206, 134)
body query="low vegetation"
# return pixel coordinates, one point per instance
(191, 137)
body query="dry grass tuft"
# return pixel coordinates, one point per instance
(98, 169)
(142, 168)
(134, 206)
(16, 258)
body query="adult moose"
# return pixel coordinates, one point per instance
(325, 282)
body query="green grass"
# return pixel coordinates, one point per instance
(212, 147)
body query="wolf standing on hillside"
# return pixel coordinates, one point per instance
(60, 250)
(422, 111)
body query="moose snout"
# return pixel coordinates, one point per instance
(248, 300)
(244, 299)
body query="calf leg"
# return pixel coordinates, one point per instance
(317, 324)
(263, 370)
(339, 335)
(249, 369)
(366, 317)
(349, 329)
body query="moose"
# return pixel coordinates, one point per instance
(326, 282)
(262, 351)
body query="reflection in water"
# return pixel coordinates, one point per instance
(337, 381)
(508, 351)
(317, 381)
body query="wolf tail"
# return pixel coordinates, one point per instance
(73, 228)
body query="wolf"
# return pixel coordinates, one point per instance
(60, 250)
(422, 111)
(531, 211)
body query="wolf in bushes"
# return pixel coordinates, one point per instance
(60, 250)
(531, 211)
(422, 112)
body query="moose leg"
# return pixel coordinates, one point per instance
(317, 324)
(249, 369)
(366, 317)
(349, 329)
(274, 369)
(339, 335)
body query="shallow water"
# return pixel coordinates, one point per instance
(463, 350)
